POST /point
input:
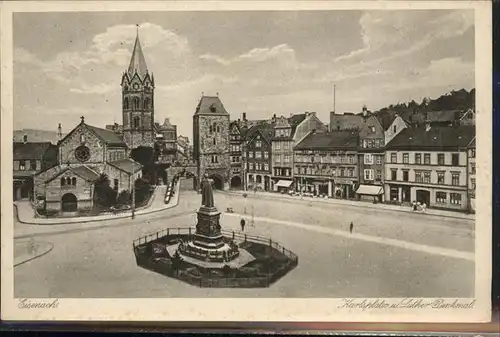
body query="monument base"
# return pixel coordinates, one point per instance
(221, 253)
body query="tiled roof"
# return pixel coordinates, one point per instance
(437, 137)
(210, 105)
(82, 171)
(345, 121)
(296, 119)
(108, 136)
(30, 150)
(37, 136)
(386, 119)
(329, 140)
(265, 129)
(85, 173)
(443, 116)
(126, 165)
(137, 61)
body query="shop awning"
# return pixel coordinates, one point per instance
(284, 183)
(370, 190)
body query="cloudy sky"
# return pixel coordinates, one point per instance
(70, 64)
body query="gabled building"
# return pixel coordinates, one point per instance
(235, 147)
(257, 156)
(287, 133)
(371, 157)
(84, 154)
(429, 164)
(30, 158)
(325, 164)
(166, 140)
(211, 141)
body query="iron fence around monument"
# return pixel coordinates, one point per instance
(143, 253)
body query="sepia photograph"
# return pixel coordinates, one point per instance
(249, 154)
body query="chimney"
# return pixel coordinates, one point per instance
(244, 116)
(59, 132)
(274, 118)
(25, 139)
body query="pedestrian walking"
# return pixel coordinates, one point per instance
(242, 223)
(424, 207)
(351, 227)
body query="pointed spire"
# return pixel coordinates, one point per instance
(137, 61)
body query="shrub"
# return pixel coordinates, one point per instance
(124, 198)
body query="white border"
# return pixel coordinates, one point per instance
(286, 309)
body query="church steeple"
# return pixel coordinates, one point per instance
(138, 100)
(137, 61)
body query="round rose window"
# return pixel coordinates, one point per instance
(82, 153)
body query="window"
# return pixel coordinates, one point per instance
(115, 184)
(440, 158)
(394, 128)
(342, 170)
(266, 155)
(440, 177)
(427, 177)
(405, 175)
(278, 145)
(473, 153)
(312, 159)
(82, 138)
(215, 159)
(351, 159)
(136, 102)
(418, 177)
(266, 167)
(351, 172)
(277, 159)
(125, 103)
(251, 166)
(394, 158)
(379, 160)
(33, 165)
(368, 159)
(210, 129)
(406, 158)
(68, 181)
(287, 158)
(473, 168)
(215, 141)
(368, 174)
(394, 174)
(22, 165)
(146, 103)
(63, 181)
(136, 122)
(441, 197)
(418, 158)
(427, 158)
(379, 175)
(456, 199)
(454, 159)
(258, 155)
(372, 129)
(473, 183)
(258, 143)
(250, 154)
(455, 178)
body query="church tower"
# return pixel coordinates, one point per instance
(138, 101)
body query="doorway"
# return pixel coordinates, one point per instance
(69, 203)
(424, 196)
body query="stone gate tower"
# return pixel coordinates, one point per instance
(211, 141)
(138, 101)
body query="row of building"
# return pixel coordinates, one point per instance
(361, 156)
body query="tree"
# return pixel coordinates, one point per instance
(143, 155)
(142, 190)
(124, 198)
(104, 195)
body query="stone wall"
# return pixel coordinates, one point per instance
(68, 146)
(140, 138)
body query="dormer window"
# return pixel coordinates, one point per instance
(212, 108)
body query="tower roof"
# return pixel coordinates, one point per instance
(137, 61)
(210, 105)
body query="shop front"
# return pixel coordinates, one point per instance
(372, 193)
(283, 186)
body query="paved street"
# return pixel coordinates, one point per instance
(389, 254)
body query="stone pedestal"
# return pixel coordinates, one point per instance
(208, 229)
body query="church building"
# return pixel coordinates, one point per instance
(87, 152)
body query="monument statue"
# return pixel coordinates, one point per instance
(207, 193)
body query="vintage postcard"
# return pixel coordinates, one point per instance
(246, 161)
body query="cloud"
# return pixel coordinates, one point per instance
(101, 88)
(386, 36)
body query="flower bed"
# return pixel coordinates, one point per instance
(272, 261)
